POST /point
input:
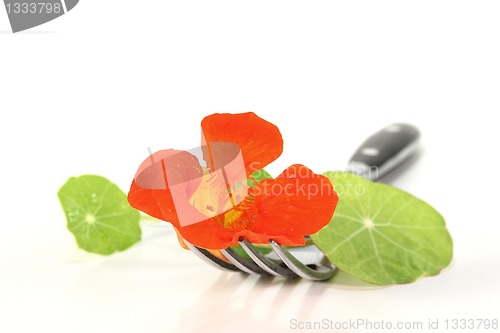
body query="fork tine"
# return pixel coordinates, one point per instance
(324, 271)
(246, 265)
(209, 258)
(265, 263)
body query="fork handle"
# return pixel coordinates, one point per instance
(384, 150)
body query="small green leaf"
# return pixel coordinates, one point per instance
(99, 215)
(257, 176)
(383, 235)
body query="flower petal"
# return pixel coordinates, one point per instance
(163, 186)
(144, 200)
(164, 183)
(259, 140)
(207, 234)
(295, 204)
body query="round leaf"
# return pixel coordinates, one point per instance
(99, 215)
(383, 235)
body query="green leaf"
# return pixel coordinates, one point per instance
(99, 215)
(383, 235)
(257, 176)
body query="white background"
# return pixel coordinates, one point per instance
(90, 91)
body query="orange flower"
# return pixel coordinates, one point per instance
(212, 206)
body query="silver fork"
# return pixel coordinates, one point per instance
(378, 155)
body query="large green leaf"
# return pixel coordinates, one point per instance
(383, 235)
(99, 215)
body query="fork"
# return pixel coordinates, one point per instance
(377, 156)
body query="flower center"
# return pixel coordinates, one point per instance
(223, 202)
(211, 198)
(231, 217)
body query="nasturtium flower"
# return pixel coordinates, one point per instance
(210, 204)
